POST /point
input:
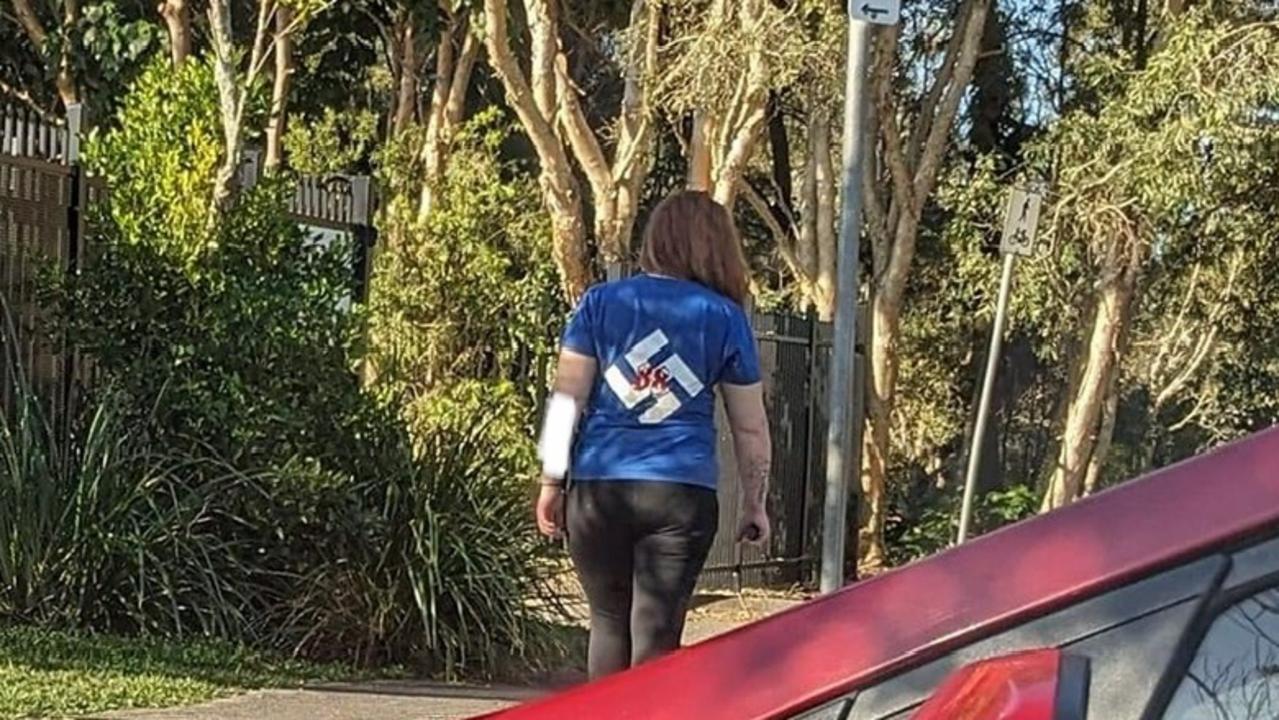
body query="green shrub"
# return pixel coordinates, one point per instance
(224, 335)
(98, 531)
(250, 357)
(160, 159)
(436, 566)
(432, 564)
(469, 292)
(933, 529)
(232, 478)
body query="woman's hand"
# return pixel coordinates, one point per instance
(754, 526)
(550, 510)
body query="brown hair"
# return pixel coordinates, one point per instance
(692, 237)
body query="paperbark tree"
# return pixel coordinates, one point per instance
(549, 109)
(455, 59)
(912, 148)
(1133, 201)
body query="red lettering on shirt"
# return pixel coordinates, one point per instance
(656, 378)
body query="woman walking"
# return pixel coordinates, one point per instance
(633, 415)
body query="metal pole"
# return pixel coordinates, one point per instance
(840, 455)
(983, 406)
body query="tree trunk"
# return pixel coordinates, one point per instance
(559, 186)
(445, 59)
(177, 18)
(283, 81)
(68, 87)
(699, 153)
(914, 170)
(230, 102)
(1080, 435)
(885, 326)
(68, 90)
(409, 82)
(634, 159)
(568, 234)
(825, 285)
(1105, 437)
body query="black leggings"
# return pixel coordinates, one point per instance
(638, 548)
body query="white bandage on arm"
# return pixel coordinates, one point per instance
(557, 435)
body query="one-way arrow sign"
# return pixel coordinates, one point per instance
(880, 12)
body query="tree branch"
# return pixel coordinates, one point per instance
(518, 91)
(445, 65)
(739, 152)
(261, 36)
(230, 104)
(1170, 340)
(545, 47)
(462, 72)
(934, 148)
(24, 97)
(586, 147)
(641, 63)
(783, 239)
(1200, 402)
(30, 22)
(886, 110)
(281, 87)
(945, 74)
(808, 200)
(876, 215)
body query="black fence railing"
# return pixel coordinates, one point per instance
(795, 353)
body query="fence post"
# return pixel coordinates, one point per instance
(810, 425)
(75, 125)
(75, 244)
(363, 232)
(71, 158)
(615, 271)
(250, 169)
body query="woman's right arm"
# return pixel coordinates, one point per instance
(753, 448)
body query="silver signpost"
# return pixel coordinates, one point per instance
(863, 14)
(1018, 240)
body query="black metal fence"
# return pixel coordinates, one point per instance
(795, 355)
(44, 195)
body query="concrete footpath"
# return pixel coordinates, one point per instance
(366, 701)
(417, 700)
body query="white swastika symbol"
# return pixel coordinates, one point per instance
(653, 381)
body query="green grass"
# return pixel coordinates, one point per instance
(55, 674)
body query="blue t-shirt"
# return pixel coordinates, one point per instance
(662, 346)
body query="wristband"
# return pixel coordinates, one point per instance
(557, 436)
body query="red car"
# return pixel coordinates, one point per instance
(1158, 600)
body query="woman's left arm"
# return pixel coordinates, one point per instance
(574, 381)
(575, 376)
